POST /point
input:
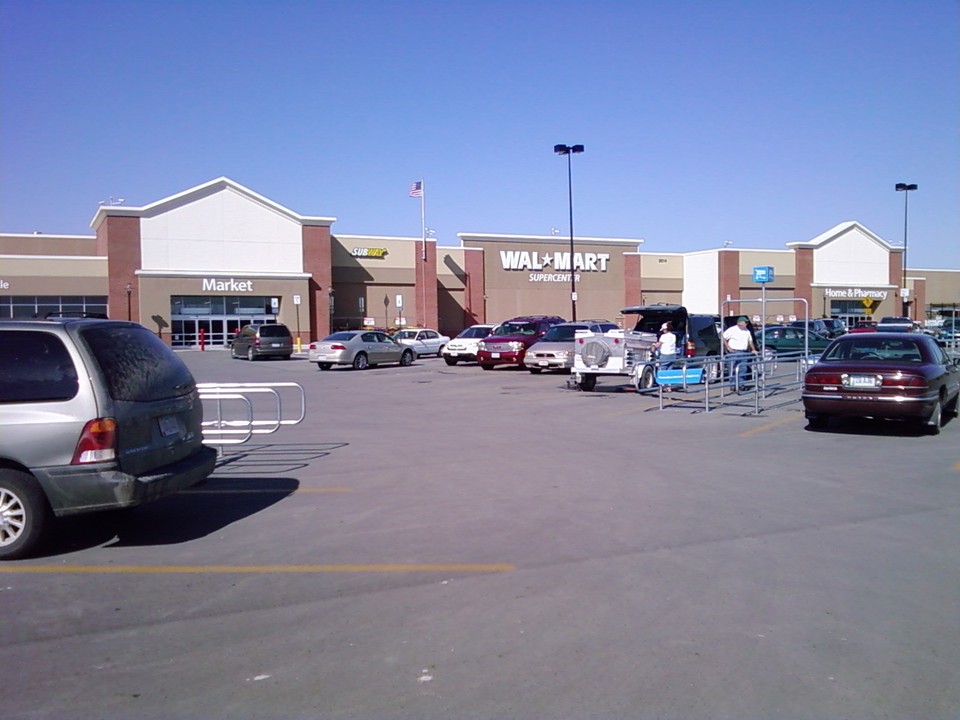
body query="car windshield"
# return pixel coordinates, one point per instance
(560, 333)
(475, 332)
(340, 337)
(517, 328)
(873, 349)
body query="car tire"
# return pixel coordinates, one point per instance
(440, 350)
(24, 514)
(535, 371)
(587, 383)
(486, 366)
(450, 361)
(360, 361)
(818, 422)
(251, 355)
(324, 365)
(953, 409)
(406, 359)
(935, 421)
(647, 379)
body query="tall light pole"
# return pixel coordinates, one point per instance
(905, 188)
(569, 151)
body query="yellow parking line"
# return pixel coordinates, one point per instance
(768, 426)
(265, 569)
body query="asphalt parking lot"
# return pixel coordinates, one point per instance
(444, 542)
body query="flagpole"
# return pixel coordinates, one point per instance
(423, 221)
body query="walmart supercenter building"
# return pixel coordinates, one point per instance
(217, 256)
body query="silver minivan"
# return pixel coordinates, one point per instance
(94, 415)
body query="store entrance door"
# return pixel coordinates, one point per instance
(217, 331)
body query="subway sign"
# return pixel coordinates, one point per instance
(369, 252)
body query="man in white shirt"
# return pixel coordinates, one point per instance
(738, 344)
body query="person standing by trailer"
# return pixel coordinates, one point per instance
(666, 345)
(738, 343)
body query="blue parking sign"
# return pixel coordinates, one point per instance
(763, 274)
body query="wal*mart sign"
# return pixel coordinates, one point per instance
(524, 260)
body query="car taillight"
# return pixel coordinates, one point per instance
(822, 378)
(312, 346)
(338, 347)
(97, 443)
(905, 381)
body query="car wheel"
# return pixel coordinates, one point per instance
(587, 383)
(324, 365)
(24, 514)
(485, 366)
(440, 350)
(251, 356)
(647, 379)
(535, 371)
(360, 361)
(407, 358)
(818, 422)
(935, 421)
(953, 409)
(450, 361)
(711, 371)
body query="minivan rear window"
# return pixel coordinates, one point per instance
(136, 364)
(35, 366)
(274, 331)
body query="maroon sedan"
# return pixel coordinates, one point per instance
(883, 375)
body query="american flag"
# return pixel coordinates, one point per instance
(416, 190)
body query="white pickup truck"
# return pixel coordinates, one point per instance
(629, 353)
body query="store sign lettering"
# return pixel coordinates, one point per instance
(557, 261)
(231, 285)
(369, 252)
(855, 294)
(4, 285)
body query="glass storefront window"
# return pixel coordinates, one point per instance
(24, 307)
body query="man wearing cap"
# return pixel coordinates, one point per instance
(738, 343)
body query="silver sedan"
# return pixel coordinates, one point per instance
(359, 348)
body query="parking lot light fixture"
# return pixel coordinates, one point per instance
(569, 151)
(905, 188)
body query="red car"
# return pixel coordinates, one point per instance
(509, 345)
(864, 326)
(901, 376)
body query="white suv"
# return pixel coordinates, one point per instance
(464, 346)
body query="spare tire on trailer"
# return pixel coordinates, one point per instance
(595, 353)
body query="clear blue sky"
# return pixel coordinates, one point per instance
(760, 122)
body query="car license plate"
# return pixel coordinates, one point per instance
(543, 363)
(274, 344)
(169, 425)
(862, 381)
(453, 354)
(494, 355)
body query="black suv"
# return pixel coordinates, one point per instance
(94, 415)
(266, 340)
(697, 334)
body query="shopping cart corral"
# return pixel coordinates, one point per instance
(235, 412)
(752, 384)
